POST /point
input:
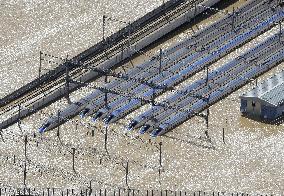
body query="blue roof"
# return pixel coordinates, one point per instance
(270, 91)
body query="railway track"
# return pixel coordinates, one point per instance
(178, 54)
(270, 54)
(123, 109)
(151, 119)
(92, 52)
(106, 49)
(261, 10)
(57, 88)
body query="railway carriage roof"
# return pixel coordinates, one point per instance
(270, 91)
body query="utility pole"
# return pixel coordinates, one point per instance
(160, 161)
(207, 99)
(73, 159)
(19, 118)
(195, 12)
(207, 72)
(207, 123)
(104, 23)
(233, 19)
(122, 49)
(58, 120)
(153, 97)
(105, 99)
(90, 193)
(160, 150)
(67, 80)
(128, 37)
(280, 26)
(40, 60)
(25, 166)
(106, 130)
(129, 44)
(160, 67)
(2, 135)
(280, 31)
(19, 115)
(256, 81)
(223, 135)
(126, 174)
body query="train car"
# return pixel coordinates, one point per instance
(231, 86)
(198, 65)
(75, 108)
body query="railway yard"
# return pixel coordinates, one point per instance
(150, 112)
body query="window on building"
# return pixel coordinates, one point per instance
(253, 103)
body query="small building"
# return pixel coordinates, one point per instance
(265, 101)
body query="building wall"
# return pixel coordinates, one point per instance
(254, 107)
(243, 105)
(280, 111)
(259, 109)
(268, 112)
